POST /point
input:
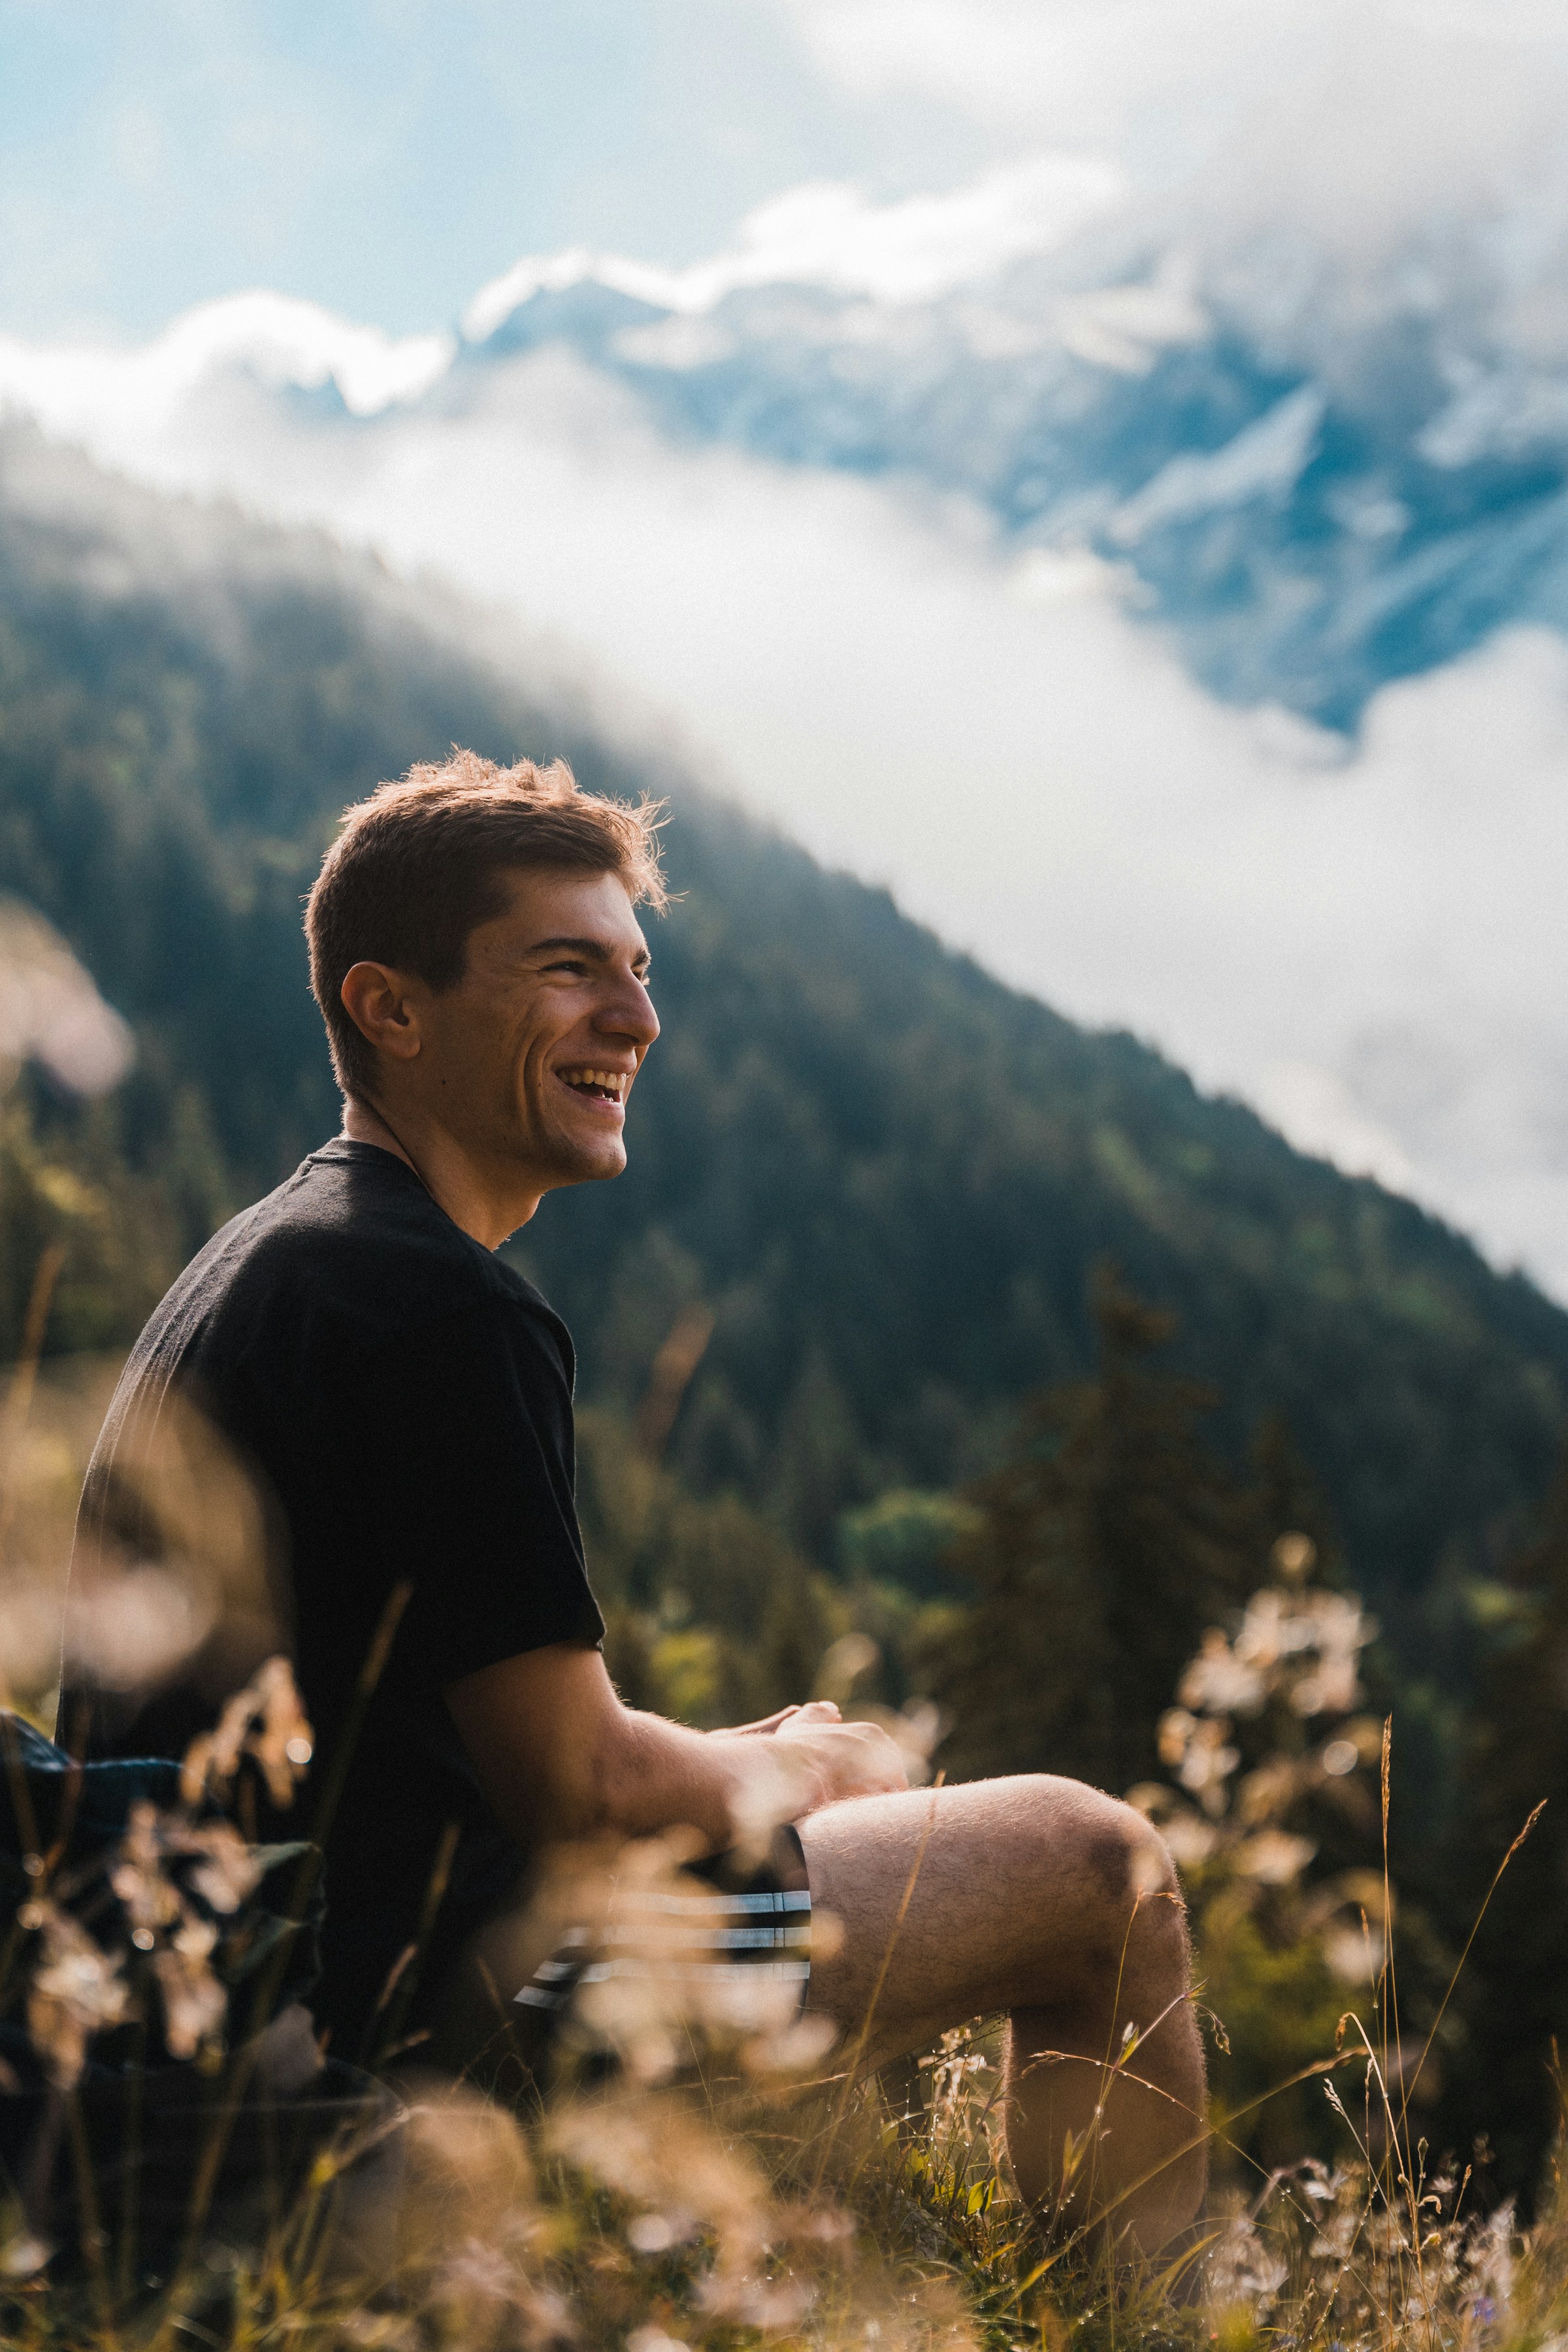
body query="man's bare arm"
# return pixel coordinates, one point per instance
(559, 1756)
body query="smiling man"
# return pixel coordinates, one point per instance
(404, 1398)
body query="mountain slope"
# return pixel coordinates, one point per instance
(889, 1175)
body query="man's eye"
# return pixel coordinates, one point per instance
(569, 966)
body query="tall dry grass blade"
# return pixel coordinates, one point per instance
(24, 1382)
(396, 1995)
(305, 1879)
(1469, 1940)
(13, 1423)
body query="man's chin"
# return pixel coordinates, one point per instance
(588, 1164)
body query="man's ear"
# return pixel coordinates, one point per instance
(380, 1001)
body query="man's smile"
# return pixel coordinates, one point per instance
(600, 1086)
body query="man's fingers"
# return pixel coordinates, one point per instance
(764, 1724)
(852, 1760)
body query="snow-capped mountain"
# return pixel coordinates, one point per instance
(1312, 514)
(1317, 487)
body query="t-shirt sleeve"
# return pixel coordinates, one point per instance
(467, 1424)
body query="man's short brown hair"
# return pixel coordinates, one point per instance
(420, 863)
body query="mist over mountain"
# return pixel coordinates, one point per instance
(1315, 489)
(1161, 589)
(888, 1177)
(1309, 523)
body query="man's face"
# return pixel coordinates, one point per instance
(528, 1057)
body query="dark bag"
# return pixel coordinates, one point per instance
(147, 2126)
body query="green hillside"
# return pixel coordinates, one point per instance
(888, 1176)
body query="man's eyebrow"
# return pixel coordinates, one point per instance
(597, 950)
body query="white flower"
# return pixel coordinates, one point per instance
(75, 1991)
(1219, 1682)
(1274, 1857)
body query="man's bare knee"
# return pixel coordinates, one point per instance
(1112, 1870)
(1117, 1857)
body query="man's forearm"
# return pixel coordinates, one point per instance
(559, 1758)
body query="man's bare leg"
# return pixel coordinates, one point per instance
(1050, 1902)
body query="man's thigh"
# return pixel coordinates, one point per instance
(996, 1894)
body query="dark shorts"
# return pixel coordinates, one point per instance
(734, 1934)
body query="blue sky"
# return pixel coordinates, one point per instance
(385, 157)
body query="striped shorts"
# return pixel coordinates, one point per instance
(734, 1940)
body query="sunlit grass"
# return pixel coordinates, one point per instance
(720, 2185)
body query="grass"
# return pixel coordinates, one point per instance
(731, 2203)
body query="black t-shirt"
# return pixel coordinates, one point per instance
(402, 1400)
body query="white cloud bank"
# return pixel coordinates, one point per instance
(831, 235)
(1331, 161)
(276, 340)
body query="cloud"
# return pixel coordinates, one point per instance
(1021, 758)
(1348, 127)
(275, 338)
(50, 1013)
(831, 234)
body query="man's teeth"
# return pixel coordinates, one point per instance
(612, 1081)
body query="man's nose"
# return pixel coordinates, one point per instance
(632, 1015)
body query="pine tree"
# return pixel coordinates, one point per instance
(1110, 1539)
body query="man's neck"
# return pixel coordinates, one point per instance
(442, 1167)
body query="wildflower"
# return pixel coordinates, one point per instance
(228, 1870)
(1294, 1555)
(282, 1743)
(147, 1899)
(1274, 1858)
(1263, 1795)
(21, 2256)
(1243, 2269)
(1190, 1841)
(75, 1991)
(1352, 1954)
(195, 2003)
(1267, 1632)
(265, 1721)
(1220, 1681)
(211, 1760)
(1176, 1728)
(1198, 1744)
(1333, 1689)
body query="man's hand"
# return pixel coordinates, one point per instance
(812, 1760)
(559, 1756)
(854, 1759)
(821, 1710)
